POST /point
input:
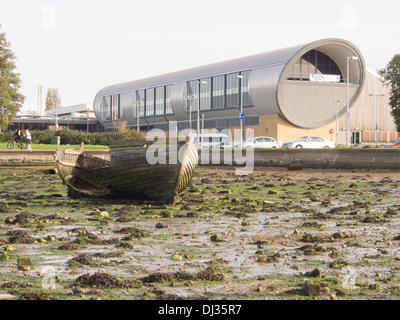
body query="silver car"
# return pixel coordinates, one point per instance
(261, 142)
(310, 142)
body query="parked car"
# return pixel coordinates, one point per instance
(209, 140)
(310, 142)
(394, 144)
(227, 143)
(259, 142)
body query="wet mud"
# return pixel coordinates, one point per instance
(275, 234)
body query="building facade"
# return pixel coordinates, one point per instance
(282, 93)
(78, 117)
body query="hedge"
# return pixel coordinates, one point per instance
(76, 137)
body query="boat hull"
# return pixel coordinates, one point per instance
(134, 172)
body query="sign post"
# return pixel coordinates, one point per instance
(331, 131)
(241, 117)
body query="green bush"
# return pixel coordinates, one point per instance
(75, 137)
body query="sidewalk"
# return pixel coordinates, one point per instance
(38, 157)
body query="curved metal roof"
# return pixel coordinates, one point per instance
(281, 56)
(303, 104)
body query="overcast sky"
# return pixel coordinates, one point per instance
(81, 46)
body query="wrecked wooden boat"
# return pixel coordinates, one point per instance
(76, 171)
(152, 173)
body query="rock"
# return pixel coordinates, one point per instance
(4, 257)
(103, 214)
(311, 289)
(167, 214)
(295, 166)
(24, 261)
(315, 273)
(82, 240)
(177, 257)
(24, 268)
(276, 192)
(160, 225)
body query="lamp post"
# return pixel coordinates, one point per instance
(348, 98)
(240, 77)
(56, 124)
(200, 82)
(376, 107)
(336, 102)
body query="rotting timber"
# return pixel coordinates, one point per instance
(129, 174)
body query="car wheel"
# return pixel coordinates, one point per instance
(326, 147)
(299, 146)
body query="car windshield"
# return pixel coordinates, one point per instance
(396, 142)
(301, 139)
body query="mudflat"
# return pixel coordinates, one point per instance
(274, 234)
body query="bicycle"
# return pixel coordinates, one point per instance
(19, 144)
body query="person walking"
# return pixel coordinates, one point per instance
(28, 139)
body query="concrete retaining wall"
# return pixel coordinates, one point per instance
(308, 158)
(314, 158)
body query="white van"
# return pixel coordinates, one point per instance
(210, 140)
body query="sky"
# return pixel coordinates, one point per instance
(81, 46)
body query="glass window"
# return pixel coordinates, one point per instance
(205, 94)
(121, 105)
(232, 90)
(160, 100)
(105, 108)
(313, 62)
(245, 87)
(139, 103)
(168, 108)
(218, 92)
(149, 102)
(115, 106)
(191, 91)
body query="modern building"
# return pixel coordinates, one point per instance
(370, 116)
(283, 94)
(78, 117)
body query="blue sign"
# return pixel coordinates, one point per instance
(241, 116)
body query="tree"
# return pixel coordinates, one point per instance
(53, 99)
(391, 77)
(11, 100)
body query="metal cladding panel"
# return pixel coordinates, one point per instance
(263, 88)
(96, 107)
(127, 104)
(240, 64)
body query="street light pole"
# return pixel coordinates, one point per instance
(56, 112)
(376, 107)
(348, 98)
(200, 82)
(336, 102)
(240, 77)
